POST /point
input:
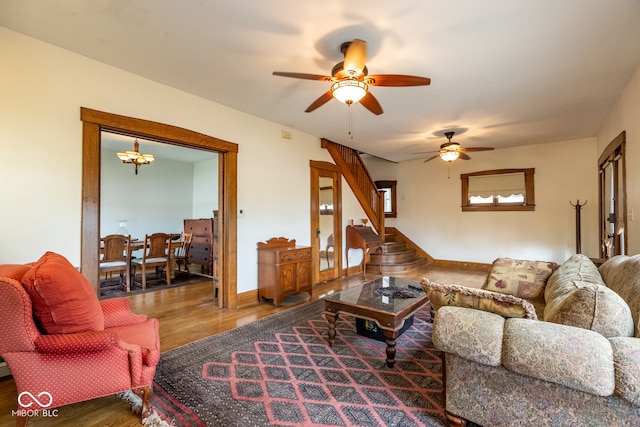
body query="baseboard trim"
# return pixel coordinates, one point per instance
(247, 298)
(462, 264)
(4, 370)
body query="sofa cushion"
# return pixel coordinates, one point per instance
(520, 278)
(461, 296)
(622, 275)
(63, 300)
(578, 267)
(595, 307)
(572, 357)
(472, 334)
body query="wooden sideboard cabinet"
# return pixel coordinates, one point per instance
(283, 269)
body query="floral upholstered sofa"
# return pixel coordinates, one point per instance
(542, 346)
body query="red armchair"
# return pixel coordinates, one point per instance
(72, 365)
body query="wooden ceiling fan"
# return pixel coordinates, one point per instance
(351, 80)
(450, 150)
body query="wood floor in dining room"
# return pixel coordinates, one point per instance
(189, 313)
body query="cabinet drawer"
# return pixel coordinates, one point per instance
(293, 256)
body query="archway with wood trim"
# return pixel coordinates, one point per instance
(93, 123)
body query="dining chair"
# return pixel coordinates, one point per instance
(116, 256)
(330, 245)
(181, 254)
(155, 253)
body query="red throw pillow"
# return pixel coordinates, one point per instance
(63, 300)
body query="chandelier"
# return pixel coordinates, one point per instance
(135, 158)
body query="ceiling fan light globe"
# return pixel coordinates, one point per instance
(449, 155)
(349, 91)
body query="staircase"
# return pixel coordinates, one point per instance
(399, 253)
(397, 256)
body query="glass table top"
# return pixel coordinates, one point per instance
(366, 295)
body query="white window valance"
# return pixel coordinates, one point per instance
(497, 185)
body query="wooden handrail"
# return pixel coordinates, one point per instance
(357, 176)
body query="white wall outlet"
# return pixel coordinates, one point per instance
(240, 213)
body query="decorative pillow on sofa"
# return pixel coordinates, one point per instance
(520, 278)
(461, 296)
(595, 307)
(63, 300)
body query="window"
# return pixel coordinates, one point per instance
(498, 190)
(389, 196)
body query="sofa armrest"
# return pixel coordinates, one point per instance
(573, 357)
(472, 334)
(117, 312)
(81, 342)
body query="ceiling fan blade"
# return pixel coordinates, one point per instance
(431, 158)
(477, 149)
(371, 103)
(323, 99)
(304, 76)
(426, 152)
(463, 156)
(396, 80)
(355, 57)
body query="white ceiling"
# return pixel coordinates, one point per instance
(116, 142)
(504, 73)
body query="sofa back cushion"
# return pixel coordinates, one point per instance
(622, 275)
(577, 296)
(520, 278)
(63, 300)
(577, 268)
(595, 307)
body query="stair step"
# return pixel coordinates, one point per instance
(397, 268)
(391, 238)
(389, 247)
(393, 257)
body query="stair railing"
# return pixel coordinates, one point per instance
(357, 176)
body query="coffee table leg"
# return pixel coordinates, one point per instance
(391, 347)
(331, 318)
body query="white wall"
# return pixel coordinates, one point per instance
(205, 188)
(429, 205)
(625, 116)
(154, 201)
(42, 90)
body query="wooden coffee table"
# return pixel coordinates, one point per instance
(388, 312)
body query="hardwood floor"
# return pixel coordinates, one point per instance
(187, 314)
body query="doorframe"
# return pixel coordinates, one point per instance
(614, 153)
(318, 169)
(93, 123)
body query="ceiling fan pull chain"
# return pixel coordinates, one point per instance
(350, 121)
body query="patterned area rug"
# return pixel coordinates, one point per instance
(280, 371)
